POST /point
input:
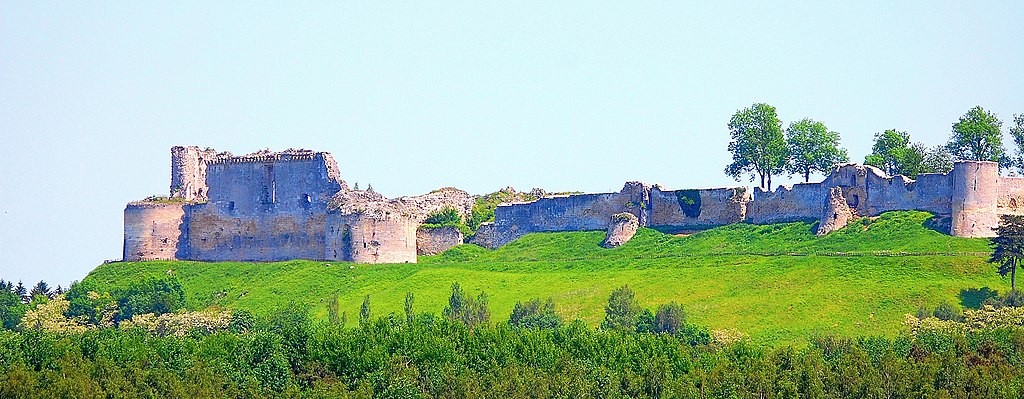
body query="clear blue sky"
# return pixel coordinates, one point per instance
(412, 96)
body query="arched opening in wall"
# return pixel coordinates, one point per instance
(854, 201)
(231, 206)
(1013, 203)
(305, 200)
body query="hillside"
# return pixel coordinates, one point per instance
(777, 283)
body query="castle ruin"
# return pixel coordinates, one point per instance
(293, 204)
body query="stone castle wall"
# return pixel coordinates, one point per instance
(432, 241)
(366, 238)
(270, 206)
(152, 231)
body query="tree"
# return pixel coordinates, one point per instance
(456, 303)
(22, 292)
(977, 136)
(758, 146)
(154, 295)
(621, 311)
(1017, 133)
(408, 307)
(364, 312)
(937, 159)
(11, 307)
(669, 318)
(896, 155)
(41, 288)
(533, 314)
(812, 148)
(645, 322)
(1008, 246)
(467, 310)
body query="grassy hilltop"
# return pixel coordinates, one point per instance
(777, 283)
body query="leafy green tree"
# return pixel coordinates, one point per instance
(11, 307)
(444, 217)
(645, 322)
(1008, 246)
(533, 314)
(364, 312)
(153, 295)
(1017, 133)
(456, 303)
(669, 318)
(896, 155)
(812, 148)
(977, 136)
(621, 311)
(937, 159)
(758, 145)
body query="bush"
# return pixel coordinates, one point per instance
(155, 295)
(622, 310)
(444, 217)
(533, 314)
(946, 311)
(669, 318)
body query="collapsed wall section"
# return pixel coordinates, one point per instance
(697, 209)
(152, 231)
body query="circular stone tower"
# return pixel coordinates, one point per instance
(975, 191)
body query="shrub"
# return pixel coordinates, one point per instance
(469, 311)
(946, 311)
(444, 217)
(622, 310)
(669, 318)
(533, 314)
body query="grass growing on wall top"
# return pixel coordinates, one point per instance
(716, 275)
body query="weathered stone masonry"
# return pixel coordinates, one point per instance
(293, 204)
(271, 206)
(971, 197)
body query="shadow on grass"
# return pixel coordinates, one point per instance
(973, 298)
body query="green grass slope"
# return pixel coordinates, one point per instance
(777, 283)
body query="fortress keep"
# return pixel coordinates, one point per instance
(293, 204)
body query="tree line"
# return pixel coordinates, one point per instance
(288, 355)
(761, 148)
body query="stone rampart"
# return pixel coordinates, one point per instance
(434, 240)
(152, 231)
(292, 204)
(700, 208)
(803, 201)
(1011, 195)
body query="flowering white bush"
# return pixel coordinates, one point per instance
(974, 320)
(179, 324)
(49, 316)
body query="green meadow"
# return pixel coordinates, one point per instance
(776, 283)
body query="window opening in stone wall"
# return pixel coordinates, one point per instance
(231, 205)
(305, 198)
